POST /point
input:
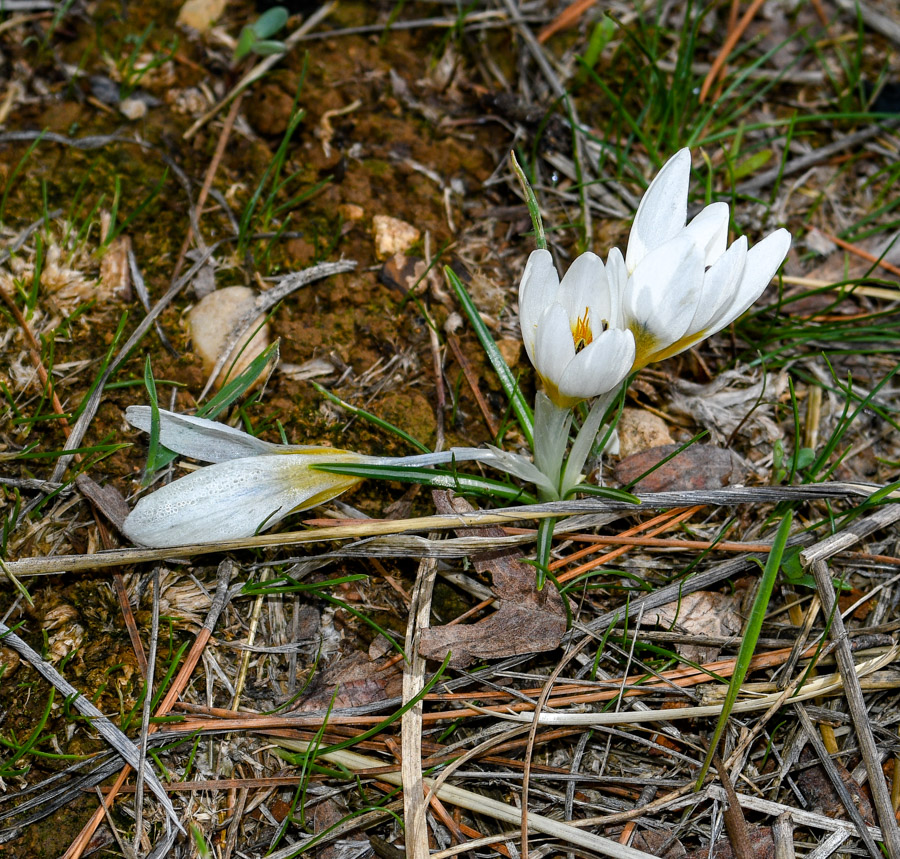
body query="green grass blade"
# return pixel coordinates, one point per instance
(604, 492)
(534, 209)
(153, 446)
(542, 551)
(751, 635)
(501, 368)
(437, 478)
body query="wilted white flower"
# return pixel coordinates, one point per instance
(573, 329)
(680, 284)
(252, 485)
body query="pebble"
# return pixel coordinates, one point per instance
(392, 236)
(133, 108)
(200, 15)
(640, 430)
(213, 317)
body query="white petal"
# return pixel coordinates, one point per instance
(199, 438)
(537, 290)
(584, 287)
(232, 500)
(662, 210)
(554, 347)
(721, 284)
(617, 278)
(600, 367)
(709, 229)
(763, 260)
(662, 295)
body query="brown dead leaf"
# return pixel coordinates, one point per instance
(115, 274)
(358, 680)
(326, 814)
(528, 621)
(701, 613)
(701, 466)
(658, 843)
(815, 785)
(404, 273)
(107, 499)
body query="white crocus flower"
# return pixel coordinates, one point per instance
(573, 329)
(680, 284)
(252, 485)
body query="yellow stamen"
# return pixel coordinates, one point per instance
(581, 332)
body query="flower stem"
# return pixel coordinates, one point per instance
(584, 441)
(551, 437)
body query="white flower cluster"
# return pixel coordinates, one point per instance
(677, 284)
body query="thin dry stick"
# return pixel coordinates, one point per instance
(663, 519)
(783, 836)
(827, 847)
(207, 182)
(145, 715)
(735, 822)
(858, 251)
(728, 47)
(542, 700)
(255, 615)
(733, 13)
(565, 19)
(655, 526)
(472, 380)
(858, 711)
(411, 722)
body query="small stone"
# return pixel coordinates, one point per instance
(392, 236)
(640, 430)
(133, 108)
(211, 320)
(351, 212)
(200, 15)
(511, 350)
